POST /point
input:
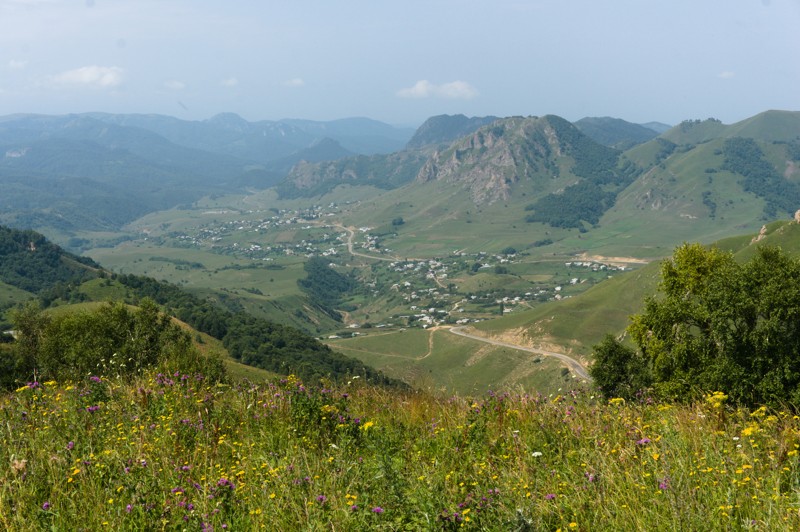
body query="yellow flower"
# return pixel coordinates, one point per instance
(716, 399)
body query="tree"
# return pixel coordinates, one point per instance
(110, 340)
(717, 325)
(618, 370)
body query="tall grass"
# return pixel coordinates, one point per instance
(174, 452)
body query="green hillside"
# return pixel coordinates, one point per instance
(30, 262)
(574, 325)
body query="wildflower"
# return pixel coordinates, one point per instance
(70, 445)
(46, 505)
(321, 499)
(377, 510)
(716, 399)
(536, 454)
(128, 508)
(643, 441)
(550, 496)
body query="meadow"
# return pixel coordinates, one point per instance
(174, 452)
(438, 361)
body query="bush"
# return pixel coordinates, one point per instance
(113, 340)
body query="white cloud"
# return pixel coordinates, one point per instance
(230, 82)
(175, 85)
(89, 76)
(727, 74)
(17, 65)
(456, 90)
(294, 82)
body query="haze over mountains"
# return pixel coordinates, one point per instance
(100, 171)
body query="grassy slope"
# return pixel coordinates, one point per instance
(279, 292)
(665, 207)
(11, 295)
(441, 362)
(206, 344)
(574, 325)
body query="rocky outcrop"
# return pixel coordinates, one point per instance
(489, 161)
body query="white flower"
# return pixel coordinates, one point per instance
(537, 454)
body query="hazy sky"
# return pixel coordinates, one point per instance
(401, 61)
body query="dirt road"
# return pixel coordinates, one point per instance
(570, 362)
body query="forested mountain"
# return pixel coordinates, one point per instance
(615, 132)
(266, 141)
(99, 171)
(30, 262)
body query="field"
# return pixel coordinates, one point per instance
(10, 296)
(442, 363)
(173, 452)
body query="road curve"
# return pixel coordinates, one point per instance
(570, 362)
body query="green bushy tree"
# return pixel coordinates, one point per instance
(716, 325)
(112, 340)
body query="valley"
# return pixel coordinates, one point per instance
(525, 230)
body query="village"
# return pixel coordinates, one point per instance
(457, 288)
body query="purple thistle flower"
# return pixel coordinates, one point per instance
(70, 445)
(128, 508)
(377, 510)
(94, 378)
(550, 496)
(321, 499)
(46, 505)
(643, 441)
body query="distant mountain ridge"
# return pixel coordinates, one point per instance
(98, 171)
(267, 140)
(615, 132)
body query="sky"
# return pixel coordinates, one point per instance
(402, 61)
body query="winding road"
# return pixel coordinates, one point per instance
(570, 362)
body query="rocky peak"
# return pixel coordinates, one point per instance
(489, 161)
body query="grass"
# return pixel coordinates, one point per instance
(169, 452)
(441, 362)
(11, 295)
